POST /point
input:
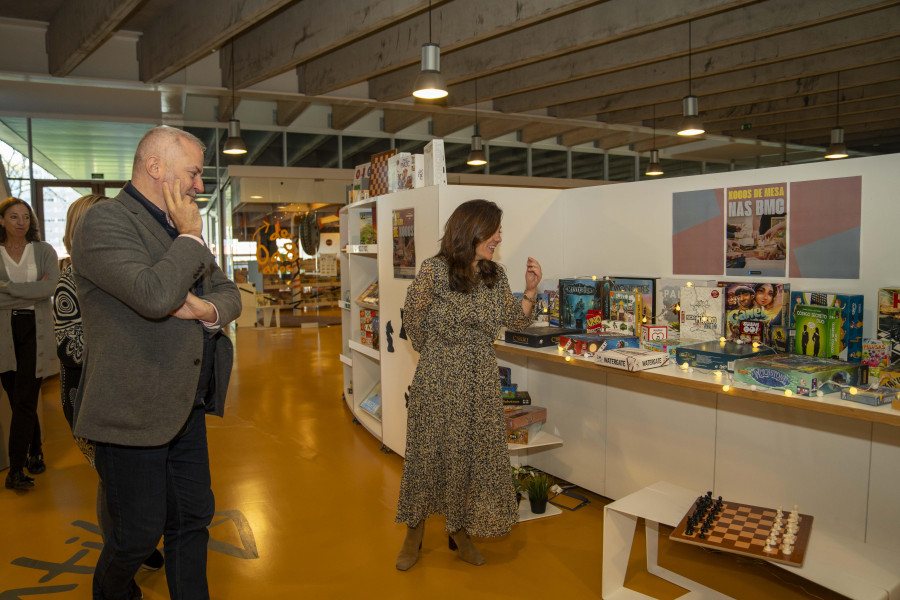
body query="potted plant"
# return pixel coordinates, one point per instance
(519, 475)
(538, 488)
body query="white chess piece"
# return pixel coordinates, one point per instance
(786, 549)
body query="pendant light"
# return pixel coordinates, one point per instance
(429, 84)
(476, 154)
(234, 144)
(837, 148)
(654, 168)
(691, 124)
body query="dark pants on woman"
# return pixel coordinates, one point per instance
(23, 389)
(151, 491)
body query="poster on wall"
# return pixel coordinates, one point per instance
(698, 219)
(756, 230)
(824, 230)
(404, 243)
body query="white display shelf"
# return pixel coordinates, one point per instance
(701, 379)
(525, 513)
(541, 440)
(345, 304)
(346, 360)
(371, 424)
(363, 349)
(371, 249)
(368, 305)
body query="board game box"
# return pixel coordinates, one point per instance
(717, 356)
(588, 344)
(645, 285)
(889, 319)
(876, 354)
(536, 337)
(851, 306)
(818, 331)
(519, 417)
(702, 313)
(887, 376)
(524, 435)
(781, 338)
(802, 375)
(632, 359)
(624, 315)
(550, 290)
(668, 301)
(651, 331)
(667, 346)
(873, 396)
(576, 297)
(766, 302)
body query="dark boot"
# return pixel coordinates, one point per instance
(409, 553)
(18, 480)
(467, 551)
(35, 464)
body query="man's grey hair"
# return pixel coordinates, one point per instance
(159, 139)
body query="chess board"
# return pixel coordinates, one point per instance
(743, 529)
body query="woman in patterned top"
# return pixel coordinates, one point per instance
(457, 462)
(70, 350)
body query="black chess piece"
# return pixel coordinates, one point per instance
(689, 530)
(389, 330)
(702, 535)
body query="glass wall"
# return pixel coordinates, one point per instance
(312, 150)
(507, 160)
(548, 163)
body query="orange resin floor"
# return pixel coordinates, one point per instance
(306, 501)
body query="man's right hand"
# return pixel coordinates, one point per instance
(183, 211)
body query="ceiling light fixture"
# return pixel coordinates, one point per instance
(654, 168)
(691, 125)
(476, 154)
(430, 84)
(837, 148)
(234, 144)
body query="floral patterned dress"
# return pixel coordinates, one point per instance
(457, 462)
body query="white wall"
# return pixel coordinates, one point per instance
(626, 229)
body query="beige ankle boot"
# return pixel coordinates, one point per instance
(409, 553)
(467, 551)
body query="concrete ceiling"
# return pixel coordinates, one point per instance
(580, 72)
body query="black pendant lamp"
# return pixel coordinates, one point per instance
(430, 84)
(691, 124)
(654, 169)
(837, 148)
(234, 144)
(476, 154)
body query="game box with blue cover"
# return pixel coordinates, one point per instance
(802, 375)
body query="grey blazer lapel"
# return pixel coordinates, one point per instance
(145, 218)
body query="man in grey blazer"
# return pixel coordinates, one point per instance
(153, 302)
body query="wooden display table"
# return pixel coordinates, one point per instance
(856, 570)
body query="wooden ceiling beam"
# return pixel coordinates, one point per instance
(558, 34)
(536, 132)
(227, 110)
(305, 30)
(584, 135)
(287, 111)
(446, 124)
(191, 30)
(344, 116)
(77, 29)
(811, 44)
(399, 47)
(493, 128)
(745, 79)
(637, 106)
(397, 120)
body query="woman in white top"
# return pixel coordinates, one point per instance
(28, 276)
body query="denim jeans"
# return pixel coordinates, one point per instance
(153, 492)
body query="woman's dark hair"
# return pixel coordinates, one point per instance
(33, 234)
(470, 224)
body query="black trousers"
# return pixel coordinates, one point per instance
(23, 389)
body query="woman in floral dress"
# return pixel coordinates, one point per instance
(457, 462)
